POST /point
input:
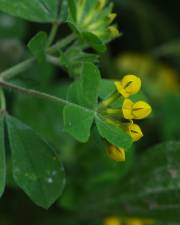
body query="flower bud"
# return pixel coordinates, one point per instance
(102, 3)
(96, 18)
(129, 85)
(114, 32)
(111, 17)
(116, 153)
(138, 110)
(135, 132)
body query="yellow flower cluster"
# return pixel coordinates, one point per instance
(128, 86)
(96, 17)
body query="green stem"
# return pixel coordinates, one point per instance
(112, 111)
(110, 100)
(18, 68)
(3, 100)
(53, 33)
(41, 95)
(62, 43)
(22, 66)
(54, 60)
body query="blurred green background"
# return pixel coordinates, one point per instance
(150, 48)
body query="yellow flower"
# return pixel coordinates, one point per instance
(129, 85)
(138, 110)
(135, 132)
(113, 220)
(116, 153)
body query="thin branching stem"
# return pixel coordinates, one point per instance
(41, 95)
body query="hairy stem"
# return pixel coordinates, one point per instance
(40, 95)
(23, 66)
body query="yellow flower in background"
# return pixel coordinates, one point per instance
(138, 110)
(129, 85)
(136, 221)
(113, 220)
(134, 131)
(116, 153)
(96, 17)
(163, 80)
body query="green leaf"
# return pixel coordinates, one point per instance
(152, 188)
(78, 119)
(73, 58)
(112, 133)
(72, 8)
(2, 157)
(78, 122)
(54, 132)
(63, 15)
(37, 46)
(94, 41)
(36, 168)
(34, 10)
(106, 89)
(90, 81)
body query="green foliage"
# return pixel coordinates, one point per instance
(78, 122)
(73, 58)
(36, 167)
(94, 41)
(72, 113)
(151, 189)
(94, 29)
(35, 10)
(112, 133)
(78, 119)
(54, 132)
(90, 80)
(106, 89)
(72, 9)
(38, 45)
